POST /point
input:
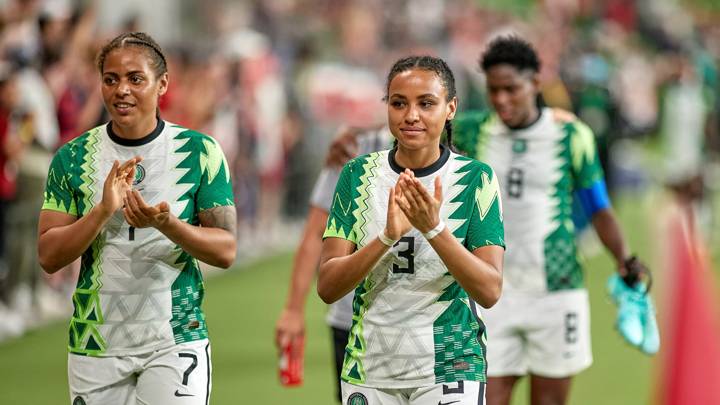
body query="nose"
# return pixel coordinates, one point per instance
(123, 88)
(412, 116)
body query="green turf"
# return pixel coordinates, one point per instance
(242, 306)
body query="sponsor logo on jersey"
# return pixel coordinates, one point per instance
(139, 174)
(357, 399)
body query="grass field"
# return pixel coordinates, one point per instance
(242, 306)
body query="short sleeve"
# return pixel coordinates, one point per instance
(59, 195)
(585, 162)
(341, 221)
(486, 221)
(215, 188)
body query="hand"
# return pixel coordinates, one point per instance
(290, 328)
(397, 223)
(343, 147)
(140, 215)
(421, 209)
(633, 270)
(117, 183)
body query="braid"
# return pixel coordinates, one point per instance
(448, 135)
(138, 39)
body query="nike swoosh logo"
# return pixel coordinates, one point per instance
(178, 394)
(446, 403)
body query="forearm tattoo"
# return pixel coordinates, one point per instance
(220, 217)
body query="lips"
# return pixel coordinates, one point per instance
(412, 131)
(123, 107)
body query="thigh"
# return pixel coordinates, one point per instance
(340, 339)
(549, 391)
(357, 395)
(500, 389)
(506, 351)
(559, 334)
(101, 380)
(457, 393)
(179, 375)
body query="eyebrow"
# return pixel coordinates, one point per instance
(426, 95)
(134, 72)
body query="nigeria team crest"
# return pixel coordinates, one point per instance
(357, 399)
(139, 174)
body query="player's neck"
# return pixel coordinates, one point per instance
(417, 158)
(138, 130)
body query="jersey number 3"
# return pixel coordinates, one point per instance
(406, 251)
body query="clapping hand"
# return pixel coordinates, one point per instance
(117, 183)
(421, 209)
(141, 215)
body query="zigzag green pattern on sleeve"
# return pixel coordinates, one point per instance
(191, 167)
(464, 198)
(212, 160)
(88, 169)
(369, 171)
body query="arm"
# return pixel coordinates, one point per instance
(62, 238)
(291, 323)
(479, 272)
(342, 267)
(608, 230)
(213, 242)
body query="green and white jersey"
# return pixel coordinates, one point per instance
(413, 325)
(539, 168)
(137, 290)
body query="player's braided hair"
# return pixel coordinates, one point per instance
(510, 50)
(432, 64)
(139, 39)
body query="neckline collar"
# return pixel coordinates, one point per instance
(136, 142)
(423, 171)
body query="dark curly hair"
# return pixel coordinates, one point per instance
(138, 39)
(431, 64)
(510, 50)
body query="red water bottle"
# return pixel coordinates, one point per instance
(291, 362)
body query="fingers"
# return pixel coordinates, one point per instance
(438, 190)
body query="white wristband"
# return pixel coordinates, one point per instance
(386, 240)
(435, 231)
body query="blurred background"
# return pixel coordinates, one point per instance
(274, 80)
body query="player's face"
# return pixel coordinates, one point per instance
(418, 108)
(131, 90)
(512, 94)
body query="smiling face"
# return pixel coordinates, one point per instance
(130, 90)
(418, 108)
(512, 94)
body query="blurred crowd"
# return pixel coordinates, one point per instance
(273, 80)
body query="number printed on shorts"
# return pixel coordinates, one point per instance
(571, 327)
(190, 369)
(406, 250)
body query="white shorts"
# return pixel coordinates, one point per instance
(457, 393)
(547, 335)
(179, 374)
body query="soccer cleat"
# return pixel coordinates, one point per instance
(651, 335)
(636, 314)
(631, 307)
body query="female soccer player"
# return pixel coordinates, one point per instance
(138, 334)
(418, 229)
(548, 158)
